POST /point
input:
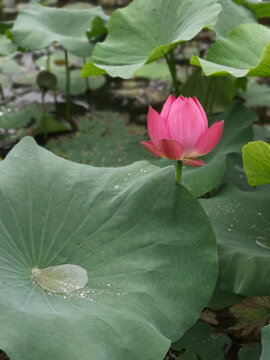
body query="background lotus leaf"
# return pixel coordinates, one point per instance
(232, 15)
(261, 8)
(145, 31)
(246, 51)
(37, 27)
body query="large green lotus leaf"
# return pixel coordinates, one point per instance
(37, 27)
(104, 139)
(145, 31)
(237, 132)
(150, 269)
(256, 158)
(199, 342)
(241, 223)
(231, 16)
(246, 51)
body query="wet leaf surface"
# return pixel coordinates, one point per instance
(131, 261)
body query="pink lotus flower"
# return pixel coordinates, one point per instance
(180, 131)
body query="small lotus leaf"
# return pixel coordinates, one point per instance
(256, 158)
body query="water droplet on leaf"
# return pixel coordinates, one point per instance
(61, 278)
(263, 241)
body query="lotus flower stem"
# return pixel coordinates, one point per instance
(171, 64)
(43, 118)
(87, 78)
(178, 171)
(2, 93)
(48, 59)
(67, 87)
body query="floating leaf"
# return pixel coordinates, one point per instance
(105, 140)
(241, 223)
(49, 125)
(256, 158)
(246, 51)
(37, 27)
(130, 42)
(14, 119)
(131, 230)
(200, 342)
(231, 16)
